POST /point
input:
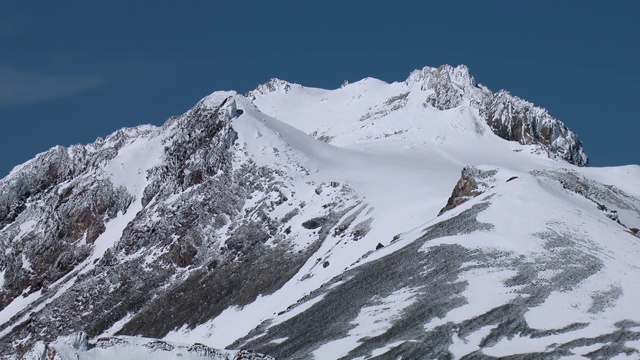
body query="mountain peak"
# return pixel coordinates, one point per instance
(216, 99)
(459, 76)
(274, 84)
(300, 222)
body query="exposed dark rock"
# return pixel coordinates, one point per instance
(347, 222)
(432, 272)
(169, 267)
(314, 223)
(514, 119)
(472, 183)
(50, 249)
(361, 229)
(434, 275)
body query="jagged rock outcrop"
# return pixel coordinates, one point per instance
(190, 231)
(508, 116)
(472, 183)
(448, 87)
(63, 203)
(272, 85)
(515, 119)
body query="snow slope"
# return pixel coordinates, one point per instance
(405, 182)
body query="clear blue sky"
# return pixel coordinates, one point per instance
(71, 71)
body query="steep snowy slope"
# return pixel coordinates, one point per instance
(303, 222)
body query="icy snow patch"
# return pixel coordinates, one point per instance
(117, 326)
(25, 228)
(26, 264)
(129, 167)
(15, 307)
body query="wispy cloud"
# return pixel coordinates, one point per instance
(23, 87)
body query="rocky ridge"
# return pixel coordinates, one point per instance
(173, 244)
(508, 116)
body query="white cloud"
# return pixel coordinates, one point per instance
(22, 87)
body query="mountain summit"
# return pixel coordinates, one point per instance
(445, 88)
(429, 218)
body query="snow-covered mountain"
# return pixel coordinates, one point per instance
(430, 218)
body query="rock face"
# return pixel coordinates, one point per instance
(508, 116)
(448, 87)
(241, 226)
(515, 119)
(53, 210)
(472, 183)
(191, 231)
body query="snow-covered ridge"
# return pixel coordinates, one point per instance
(444, 88)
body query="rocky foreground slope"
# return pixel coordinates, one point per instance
(300, 222)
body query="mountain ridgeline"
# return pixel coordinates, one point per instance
(302, 222)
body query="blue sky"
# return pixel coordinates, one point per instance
(71, 71)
